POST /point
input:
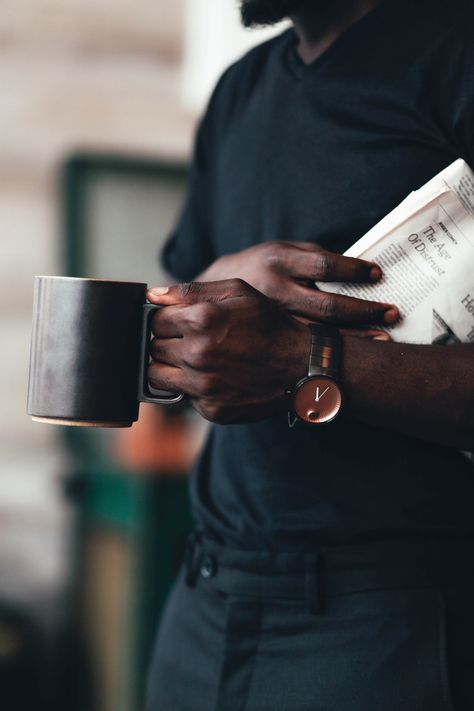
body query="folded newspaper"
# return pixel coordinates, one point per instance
(425, 248)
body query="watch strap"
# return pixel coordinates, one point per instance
(325, 353)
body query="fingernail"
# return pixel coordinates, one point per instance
(158, 290)
(382, 337)
(391, 315)
(375, 273)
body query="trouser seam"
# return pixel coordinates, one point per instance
(443, 654)
(258, 633)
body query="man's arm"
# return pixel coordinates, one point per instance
(422, 391)
(235, 353)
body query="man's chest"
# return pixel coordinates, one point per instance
(320, 168)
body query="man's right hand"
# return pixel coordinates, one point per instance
(286, 272)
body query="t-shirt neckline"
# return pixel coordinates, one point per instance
(300, 69)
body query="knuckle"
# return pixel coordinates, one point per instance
(211, 412)
(272, 246)
(237, 285)
(196, 357)
(327, 306)
(189, 287)
(280, 246)
(206, 314)
(274, 261)
(203, 315)
(274, 254)
(209, 385)
(323, 265)
(214, 412)
(153, 375)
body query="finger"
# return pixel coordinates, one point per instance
(168, 322)
(341, 310)
(174, 380)
(323, 265)
(166, 377)
(308, 246)
(303, 319)
(373, 334)
(196, 291)
(167, 350)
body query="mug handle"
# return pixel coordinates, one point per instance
(145, 392)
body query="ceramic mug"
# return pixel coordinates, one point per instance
(90, 352)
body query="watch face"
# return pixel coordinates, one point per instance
(317, 400)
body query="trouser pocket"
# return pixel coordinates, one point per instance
(367, 652)
(457, 648)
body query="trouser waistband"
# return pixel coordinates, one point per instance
(328, 572)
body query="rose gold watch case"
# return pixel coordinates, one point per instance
(317, 399)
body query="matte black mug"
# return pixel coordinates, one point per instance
(90, 352)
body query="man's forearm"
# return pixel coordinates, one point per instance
(235, 352)
(424, 391)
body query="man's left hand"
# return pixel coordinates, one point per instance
(232, 350)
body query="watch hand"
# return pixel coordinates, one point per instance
(318, 396)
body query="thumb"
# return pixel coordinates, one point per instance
(194, 292)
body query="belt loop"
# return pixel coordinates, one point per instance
(313, 583)
(192, 557)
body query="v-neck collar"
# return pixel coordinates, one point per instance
(300, 69)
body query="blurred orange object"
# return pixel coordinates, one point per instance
(158, 443)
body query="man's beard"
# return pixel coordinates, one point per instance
(267, 12)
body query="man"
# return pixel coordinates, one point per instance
(333, 567)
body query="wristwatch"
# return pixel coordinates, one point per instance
(317, 398)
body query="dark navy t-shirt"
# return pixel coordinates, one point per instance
(322, 152)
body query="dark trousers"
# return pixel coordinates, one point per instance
(377, 627)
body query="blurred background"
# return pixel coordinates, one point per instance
(98, 108)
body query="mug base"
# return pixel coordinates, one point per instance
(80, 423)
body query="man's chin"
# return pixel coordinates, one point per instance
(267, 12)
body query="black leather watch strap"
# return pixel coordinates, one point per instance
(325, 353)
